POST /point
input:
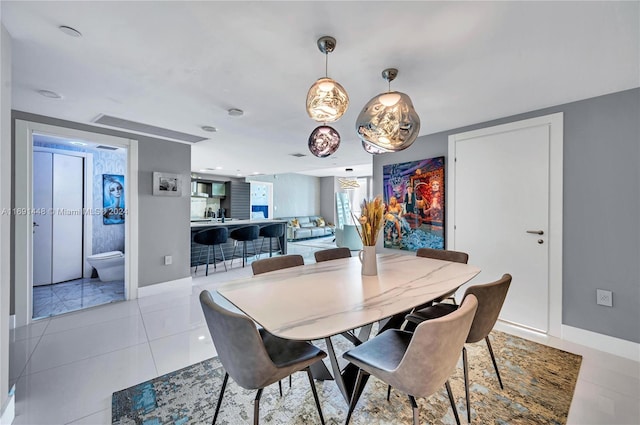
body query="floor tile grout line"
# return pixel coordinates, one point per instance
(26, 364)
(146, 333)
(85, 359)
(89, 324)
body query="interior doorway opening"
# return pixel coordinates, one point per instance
(78, 246)
(23, 261)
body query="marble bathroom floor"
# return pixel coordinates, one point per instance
(59, 298)
(65, 368)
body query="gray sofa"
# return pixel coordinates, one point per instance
(308, 227)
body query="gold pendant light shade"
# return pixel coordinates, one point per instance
(327, 100)
(388, 121)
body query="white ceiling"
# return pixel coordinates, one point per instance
(181, 65)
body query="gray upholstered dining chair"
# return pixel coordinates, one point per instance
(415, 363)
(490, 298)
(253, 357)
(443, 254)
(276, 263)
(332, 254)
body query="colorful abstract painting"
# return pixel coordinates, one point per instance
(414, 195)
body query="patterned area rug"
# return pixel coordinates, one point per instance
(538, 380)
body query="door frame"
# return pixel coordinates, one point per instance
(23, 225)
(554, 123)
(87, 225)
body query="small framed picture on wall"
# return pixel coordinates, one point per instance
(167, 184)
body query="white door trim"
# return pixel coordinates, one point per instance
(554, 122)
(23, 226)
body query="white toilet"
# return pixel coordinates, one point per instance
(109, 265)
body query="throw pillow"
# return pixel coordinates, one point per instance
(320, 222)
(295, 223)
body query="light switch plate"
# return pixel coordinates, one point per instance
(168, 260)
(604, 297)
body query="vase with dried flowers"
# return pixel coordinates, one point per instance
(371, 222)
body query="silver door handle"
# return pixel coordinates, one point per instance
(536, 232)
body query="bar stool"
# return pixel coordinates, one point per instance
(244, 234)
(211, 238)
(271, 231)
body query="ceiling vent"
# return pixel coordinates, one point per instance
(297, 155)
(107, 148)
(147, 129)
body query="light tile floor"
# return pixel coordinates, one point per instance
(59, 298)
(65, 368)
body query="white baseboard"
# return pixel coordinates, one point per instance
(181, 286)
(609, 344)
(600, 342)
(9, 408)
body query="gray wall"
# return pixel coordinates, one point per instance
(164, 222)
(164, 226)
(601, 206)
(5, 219)
(104, 238)
(293, 194)
(328, 188)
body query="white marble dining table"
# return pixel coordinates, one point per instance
(325, 299)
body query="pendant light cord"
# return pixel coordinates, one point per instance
(326, 65)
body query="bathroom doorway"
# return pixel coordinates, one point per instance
(69, 269)
(31, 137)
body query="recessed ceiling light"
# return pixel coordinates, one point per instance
(238, 175)
(70, 31)
(218, 168)
(78, 143)
(50, 94)
(256, 173)
(235, 112)
(209, 128)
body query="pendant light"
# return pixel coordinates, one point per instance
(388, 121)
(373, 150)
(327, 100)
(324, 141)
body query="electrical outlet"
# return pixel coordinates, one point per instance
(604, 297)
(168, 260)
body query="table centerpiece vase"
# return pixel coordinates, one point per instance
(371, 221)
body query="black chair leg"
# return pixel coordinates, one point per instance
(199, 258)
(289, 381)
(452, 401)
(315, 394)
(224, 386)
(280, 387)
(416, 412)
(465, 369)
(493, 359)
(208, 256)
(388, 392)
(233, 253)
(354, 395)
(222, 254)
(256, 408)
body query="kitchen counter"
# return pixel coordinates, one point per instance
(199, 252)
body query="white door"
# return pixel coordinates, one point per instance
(501, 179)
(42, 220)
(58, 191)
(68, 194)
